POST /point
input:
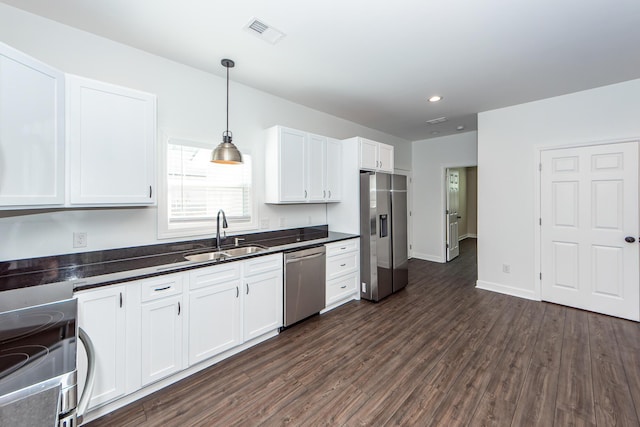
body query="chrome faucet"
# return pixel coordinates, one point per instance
(224, 225)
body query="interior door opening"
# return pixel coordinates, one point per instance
(461, 207)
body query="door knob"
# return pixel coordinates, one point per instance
(629, 239)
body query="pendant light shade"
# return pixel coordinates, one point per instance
(226, 152)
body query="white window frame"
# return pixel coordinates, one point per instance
(190, 228)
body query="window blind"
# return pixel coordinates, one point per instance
(197, 188)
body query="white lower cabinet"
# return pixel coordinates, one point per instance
(343, 272)
(263, 295)
(102, 315)
(161, 318)
(214, 311)
(147, 330)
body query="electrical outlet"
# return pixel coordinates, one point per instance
(506, 268)
(364, 287)
(264, 223)
(283, 222)
(80, 239)
(309, 221)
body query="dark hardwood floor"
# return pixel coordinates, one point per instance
(439, 352)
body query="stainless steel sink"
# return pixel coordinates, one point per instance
(225, 254)
(207, 256)
(244, 250)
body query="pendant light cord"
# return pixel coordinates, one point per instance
(227, 99)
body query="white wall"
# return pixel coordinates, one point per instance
(430, 158)
(508, 143)
(191, 103)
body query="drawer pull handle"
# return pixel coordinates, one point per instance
(162, 289)
(342, 265)
(343, 287)
(237, 292)
(343, 248)
(179, 308)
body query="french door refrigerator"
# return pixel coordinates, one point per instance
(383, 234)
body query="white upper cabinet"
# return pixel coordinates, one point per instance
(31, 132)
(375, 156)
(334, 170)
(285, 166)
(301, 167)
(316, 168)
(385, 157)
(368, 154)
(111, 137)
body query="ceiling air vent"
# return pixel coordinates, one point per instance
(436, 121)
(264, 31)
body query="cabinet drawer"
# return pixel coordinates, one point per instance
(345, 246)
(341, 288)
(160, 287)
(262, 264)
(214, 275)
(339, 265)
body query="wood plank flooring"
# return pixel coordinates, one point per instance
(438, 353)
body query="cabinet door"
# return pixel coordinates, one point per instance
(214, 320)
(385, 158)
(262, 304)
(292, 169)
(31, 131)
(341, 288)
(316, 168)
(111, 141)
(334, 170)
(101, 314)
(161, 352)
(368, 154)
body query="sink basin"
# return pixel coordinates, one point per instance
(207, 256)
(243, 250)
(225, 254)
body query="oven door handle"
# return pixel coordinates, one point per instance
(83, 403)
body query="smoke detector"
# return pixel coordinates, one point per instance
(264, 31)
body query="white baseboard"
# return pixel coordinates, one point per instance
(508, 290)
(427, 257)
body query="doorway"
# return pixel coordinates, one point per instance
(461, 189)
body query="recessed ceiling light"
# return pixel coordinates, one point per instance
(435, 132)
(435, 98)
(460, 127)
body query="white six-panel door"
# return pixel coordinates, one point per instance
(453, 203)
(589, 205)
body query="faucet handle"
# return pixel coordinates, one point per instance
(238, 240)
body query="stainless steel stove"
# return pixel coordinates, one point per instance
(38, 339)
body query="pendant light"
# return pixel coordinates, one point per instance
(226, 152)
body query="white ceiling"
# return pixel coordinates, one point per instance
(375, 62)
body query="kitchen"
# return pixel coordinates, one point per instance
(34, 234)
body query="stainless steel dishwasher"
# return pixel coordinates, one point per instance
(304, 283)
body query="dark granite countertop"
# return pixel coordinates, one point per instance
(99, 268)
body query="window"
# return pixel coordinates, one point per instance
(196, 189)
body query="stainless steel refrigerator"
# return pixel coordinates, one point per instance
(383, 234)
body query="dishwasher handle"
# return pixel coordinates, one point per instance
(302, 258)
